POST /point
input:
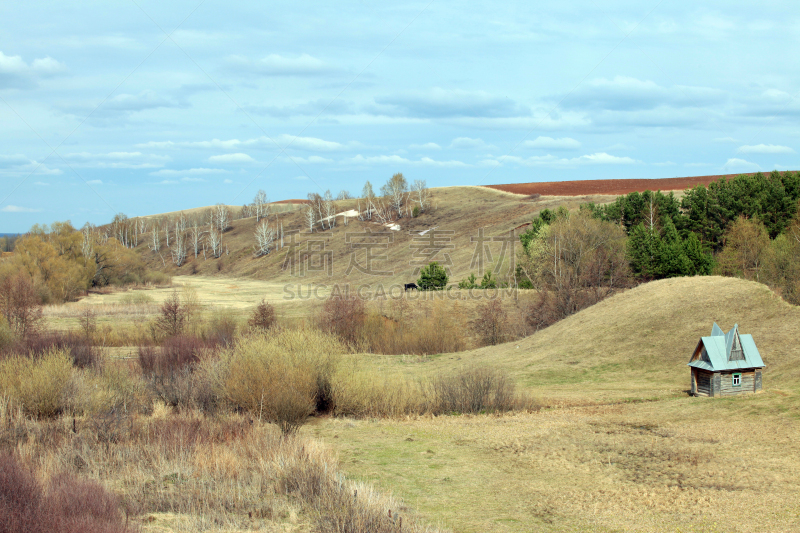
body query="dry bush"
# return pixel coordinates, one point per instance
(471, 390)
(263, 318)
(41, 386)
(80, 349)
(169, 370)
(221, 330)
(491, 323)
(283, 378)
(66, 505)
(20, 305)
(365, 395)
(344, 317)
(476, 390)
(172, 318)
(438, 332)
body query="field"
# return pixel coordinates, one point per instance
(619, 444)
(605, 436)
(615, 187)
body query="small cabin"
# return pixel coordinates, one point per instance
(726, 364)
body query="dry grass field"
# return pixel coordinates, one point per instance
(619, 445)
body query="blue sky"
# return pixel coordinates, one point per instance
(142, 107)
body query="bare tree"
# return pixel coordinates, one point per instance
(319, 209)
(344, 195)
(155, 239)
(215, 242)
(179, 246)
(87, 240)
(310, 218)
(369, 196)
(166, 231)
(265, 238)
(330, 208)
(421, 194)
(396, 191)
(261, 205)
(222, 217)
(196, 235)
(20, 304)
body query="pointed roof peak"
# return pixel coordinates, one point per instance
(716, 331)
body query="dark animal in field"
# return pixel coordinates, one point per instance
(412, 286)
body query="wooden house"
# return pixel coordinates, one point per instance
(726, 364)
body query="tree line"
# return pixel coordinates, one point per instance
(747, 227)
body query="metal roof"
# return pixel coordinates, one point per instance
(718, 350)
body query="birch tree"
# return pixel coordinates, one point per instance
(309, 216)
(261, 205)
(330, 208)
(369, 197)
(265, 238)
(221, 217)
(215, 242)
(195, 235)
(421, 194)
(155, 239)
(395, 191)
(179, 245)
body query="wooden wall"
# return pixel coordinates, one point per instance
(705, 383)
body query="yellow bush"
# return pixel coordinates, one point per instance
(283, 377)
(42, 385)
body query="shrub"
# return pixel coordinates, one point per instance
(283, 378)
(169, 370)
(491, 324)
(21, 305)
(344, 317)
(68, 505)
(79, 348)
(468, 283)
(39, 385)
(263, 317)
(221, 330)
(474, 390)
(172, 317)
(432, 277)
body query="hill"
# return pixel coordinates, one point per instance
(615, 187)
(461, 211)
(620, 445)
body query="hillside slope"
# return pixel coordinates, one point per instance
(637, 343)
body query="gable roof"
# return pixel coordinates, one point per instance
(717, 355)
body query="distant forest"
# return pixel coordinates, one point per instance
(745, 227)
(7, 241)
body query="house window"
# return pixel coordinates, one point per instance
(737, 380)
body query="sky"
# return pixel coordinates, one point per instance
(142, 107)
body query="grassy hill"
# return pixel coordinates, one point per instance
(462, 210)
(619, 446)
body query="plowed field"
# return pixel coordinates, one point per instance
(585, 187)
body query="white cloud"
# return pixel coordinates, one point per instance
(740, 165)
(467, 143)
(129, 160)
(227, 182)
(15, 72)
(427, 161)
(627, 94)
(599, 158)
(426, 146)
(314, 159)
(548, 143)
(278, 65)
(765, 149)
(441, 103)
(95, 182)
(18, 209)
(191, 171)
(287, 141)
(238, 157)
(378, 159)
(168, 182)
(664, 164)
(193, 180)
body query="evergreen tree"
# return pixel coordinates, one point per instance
(432, 277)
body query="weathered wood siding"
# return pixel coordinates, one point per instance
(703, 382)
(747, 383)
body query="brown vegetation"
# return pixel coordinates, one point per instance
(613, 186)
